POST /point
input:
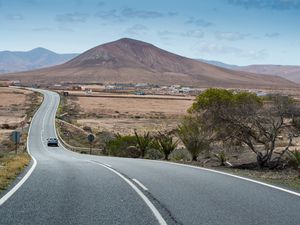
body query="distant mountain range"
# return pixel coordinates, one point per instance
(291, 73)
(132, 61)
(14, 61)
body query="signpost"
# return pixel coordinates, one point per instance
(16, 135)
(22, 124)
(91, 138)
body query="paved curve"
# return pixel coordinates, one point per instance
(69, 188)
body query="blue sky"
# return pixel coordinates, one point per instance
(233, 31)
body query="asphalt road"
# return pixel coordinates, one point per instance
(69, 188)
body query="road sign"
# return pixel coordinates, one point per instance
(16, 135)
(91, 137)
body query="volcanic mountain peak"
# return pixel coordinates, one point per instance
(130, 53)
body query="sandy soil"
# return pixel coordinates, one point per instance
(12, 105)
(123, 115)
(127, 125)
(129, 106)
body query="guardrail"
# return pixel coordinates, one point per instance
(76, 149)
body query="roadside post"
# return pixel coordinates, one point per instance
(91, 138)
(16, 135)
(22, 124)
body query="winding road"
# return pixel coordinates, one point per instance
(63, 187)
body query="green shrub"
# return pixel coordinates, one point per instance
(154, 153)
(132, 152)
(221, 157)
(193, 136)
(166, 144)
(118, 146)
(295, 160)
(143, 142)
(180, 155)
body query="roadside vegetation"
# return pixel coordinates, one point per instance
(238, 132)
(11, 166)
(12, 163)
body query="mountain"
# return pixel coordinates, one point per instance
(291, 73)
(132, 61)
(219, 64)
(34, 59)
(288, 72)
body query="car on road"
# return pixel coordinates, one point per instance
(52, 142)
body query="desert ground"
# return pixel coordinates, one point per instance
(15, 108)
(13, 104)
(124, 113)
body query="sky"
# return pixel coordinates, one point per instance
(240, 32)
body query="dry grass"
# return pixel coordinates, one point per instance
(10, 167)
(134, 106)
(287, 178)
(123, 115)
(14, 104)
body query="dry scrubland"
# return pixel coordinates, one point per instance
(12, 109)
(123, 115)
(16, 106)
(109, 114)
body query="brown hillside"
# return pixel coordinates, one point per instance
(289, 72)
(132, 61)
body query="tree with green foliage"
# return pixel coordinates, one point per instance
(246, 118)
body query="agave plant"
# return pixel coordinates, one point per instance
(221, 157)
(295, 157)
(143, 142)
(193, 137)
(167, 144)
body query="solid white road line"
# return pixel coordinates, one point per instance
(156, 213)
(140, 184)
(107, 165)
(236, 176)
(27, 175)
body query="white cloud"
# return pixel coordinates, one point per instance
(136, 29)
(198, 22)
(215, 49)
(75, 17)
(193, 34)
(230, 36)
(272, 35)
(272, 4)
(14, 17)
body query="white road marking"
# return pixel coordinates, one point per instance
(107, 165)
(140, 184)
(156, 213)
(235, 176)
(27, 175)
